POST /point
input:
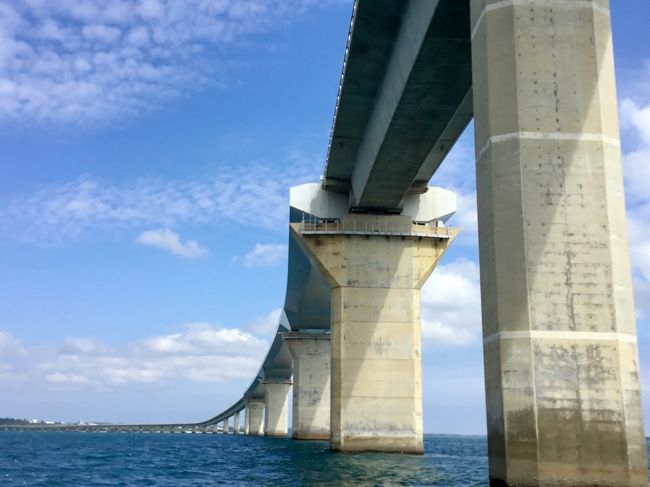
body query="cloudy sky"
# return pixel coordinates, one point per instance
(146, 152)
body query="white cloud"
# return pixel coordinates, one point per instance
(451, 304)
(164, 238)
(58, 377)
(265, 255)
(79, 345)
(201, 338)
(101, 33)
(639, 241)
(75, 61)
(635, 123)
(457, 174)
(138, 36)
(639, 232)
(198, 352)
(438, 333)
(253, 195)
(265, 326)
(466, 219)
(10, 345)
(635, 120)
(6, 340)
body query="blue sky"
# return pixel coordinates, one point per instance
(146, 152)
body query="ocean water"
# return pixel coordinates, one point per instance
(131, 459)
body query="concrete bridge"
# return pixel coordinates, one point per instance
(560, 348)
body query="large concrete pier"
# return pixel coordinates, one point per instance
(376, 389)
(561, 363)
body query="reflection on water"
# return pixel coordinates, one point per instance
(448, 460)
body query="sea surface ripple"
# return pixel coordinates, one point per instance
(136, 459)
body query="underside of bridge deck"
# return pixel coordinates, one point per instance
(405, 98)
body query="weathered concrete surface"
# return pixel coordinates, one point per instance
(311, 385)
(235, 423)
(376, 402)
(255, 417)
(276, 402)
(561, 362)
(225, 426)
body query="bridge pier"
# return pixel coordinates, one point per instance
(276, 403)
(254, 417)
(311, 384)
(560, 347)
(225, 426)
(235, 423)
(376, 388)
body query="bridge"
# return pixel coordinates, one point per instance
(560, 348)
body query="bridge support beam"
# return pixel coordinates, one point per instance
(235, 423)
(311, 385)
(561, 360)
(276, 403)
(225, 426)
(255, 417)
(376, 364)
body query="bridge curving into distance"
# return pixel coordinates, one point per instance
(560, 349)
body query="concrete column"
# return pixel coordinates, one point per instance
(235, 423)
(560, 347)
(311, 385)
(225, 426)
(376, 391)
(247, 416)
(255, 416)
(276, 402)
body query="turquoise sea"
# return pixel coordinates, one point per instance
(132, 459)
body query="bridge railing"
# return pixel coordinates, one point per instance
(383, 227)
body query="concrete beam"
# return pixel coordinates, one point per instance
(420, 107)
(432, 204)
(561, 359)
(374, 27)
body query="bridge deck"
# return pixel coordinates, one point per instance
(404, 98)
